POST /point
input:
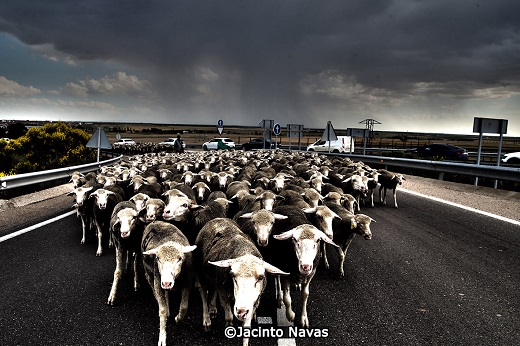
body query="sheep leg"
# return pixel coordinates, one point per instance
(84, 229)
(162, 300)
(305, 297)
(324, 254)
(136, 270)
(213, 304)
(247, 324)
(206, 320)
(226, 305)
(279, 293)
(289, 313)
(185, 297)
(117, 276)
(342, 252)
(99, 251)
(395, 197)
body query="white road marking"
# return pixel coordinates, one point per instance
(498, 217)
(38, 225)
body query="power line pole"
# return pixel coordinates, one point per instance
(369, 125)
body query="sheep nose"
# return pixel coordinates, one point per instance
(166, 285)
(262, 242)
(305, 268)
(242, 313)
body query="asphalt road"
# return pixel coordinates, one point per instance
(432, 274)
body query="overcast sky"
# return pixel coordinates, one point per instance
(429, 66)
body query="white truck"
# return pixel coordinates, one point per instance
(341, 145)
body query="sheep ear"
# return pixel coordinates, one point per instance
(187, 249)
(224, 263)
(273, 270)
(309, 210)
(326, 239)
(285, 235)
(151, 252)
(279, 216)
(353, 224)
(246, 216)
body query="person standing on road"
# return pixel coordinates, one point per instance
(178, 146)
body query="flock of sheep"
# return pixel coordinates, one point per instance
(220, 221)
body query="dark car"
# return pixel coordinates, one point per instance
(444, 151)
(258, 143)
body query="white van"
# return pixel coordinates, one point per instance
(341, 145)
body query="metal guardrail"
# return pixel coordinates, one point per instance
(19, 180)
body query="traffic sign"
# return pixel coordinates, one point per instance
(329, 134)
(277, 129)
(220, 126)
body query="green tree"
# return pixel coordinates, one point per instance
(54, 145)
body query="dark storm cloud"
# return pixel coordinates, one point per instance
(258, 55)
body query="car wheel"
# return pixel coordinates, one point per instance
(204, 147)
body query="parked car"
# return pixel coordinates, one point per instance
(258, 143)
(445, 151)
(124, 142)
(170, 142)
(513, 158)
(219, 143)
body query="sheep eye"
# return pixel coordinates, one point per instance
(185, 205)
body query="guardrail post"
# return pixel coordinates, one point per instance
(441, 176)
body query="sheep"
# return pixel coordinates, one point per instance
(76, 179)
(104, 204)
(202, 191)
(229, 266)
(312, 196)
(139, 200)
(178, 205)
(84, 207)
(300, 257)
(152, 210)
(264, 200)
(221, 181)
(126, 232)
(258, 224)
(356, 185)
(167, 262)
(344, 229)
(344, 199)
(389, 180)
(291, 197)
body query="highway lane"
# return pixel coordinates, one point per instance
(432, 274)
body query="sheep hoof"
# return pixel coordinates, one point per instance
(206, 326)
(305, 322)
(290, 315)
(213, 312)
